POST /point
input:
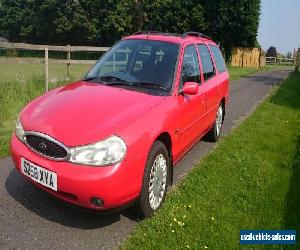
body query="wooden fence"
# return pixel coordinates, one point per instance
(280, 60)
(247, 57)
(241, 57)
(253, 57)
(46, 48)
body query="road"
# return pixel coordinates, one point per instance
(31, 219)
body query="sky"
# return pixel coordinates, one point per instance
(280, 25)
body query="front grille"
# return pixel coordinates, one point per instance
(46, 147)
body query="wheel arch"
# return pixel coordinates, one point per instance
(223, 102)
(166, 139)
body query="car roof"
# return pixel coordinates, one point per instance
(188, 37)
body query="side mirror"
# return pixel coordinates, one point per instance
(190, 88)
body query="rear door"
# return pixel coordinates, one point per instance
(211, 85)
(223, 77)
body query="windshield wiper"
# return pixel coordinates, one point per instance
(113, 81)
(107, 78)
(150, 85)
(90, 78)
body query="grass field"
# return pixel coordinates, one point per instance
(238, 72)
(10, 71)
(22, 82)
(250, 181)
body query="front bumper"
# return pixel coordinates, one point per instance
(116, 185)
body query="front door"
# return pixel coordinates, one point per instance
(192, 108)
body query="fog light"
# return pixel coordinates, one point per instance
(96, 201)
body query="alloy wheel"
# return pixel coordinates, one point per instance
(158, 181)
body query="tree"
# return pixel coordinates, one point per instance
(233, 22)
(271, 52)
(54, 21)
(175, 16)
(102, 22)
(140, 15)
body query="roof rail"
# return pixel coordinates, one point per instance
(194, 33)
(146, 32)
(154, 32)
(184, 35)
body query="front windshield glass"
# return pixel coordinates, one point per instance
(141, 63)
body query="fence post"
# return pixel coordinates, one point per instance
(46, 70)
(298, 61)
(69, 61)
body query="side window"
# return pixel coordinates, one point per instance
(190, 71)
(220, 63)
(207, 64)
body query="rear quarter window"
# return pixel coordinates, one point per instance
(219, 60)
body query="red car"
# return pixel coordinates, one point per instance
(112, 139)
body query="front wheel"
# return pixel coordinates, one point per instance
(215, 132)
(155, 181)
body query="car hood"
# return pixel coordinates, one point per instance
(83, 113)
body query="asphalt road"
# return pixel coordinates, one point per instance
(31, 219)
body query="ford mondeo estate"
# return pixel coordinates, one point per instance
(111, 140)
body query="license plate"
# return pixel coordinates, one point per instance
(38, 174)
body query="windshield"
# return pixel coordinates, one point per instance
(140, 63)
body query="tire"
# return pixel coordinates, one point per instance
(214, 133)
(150, 198)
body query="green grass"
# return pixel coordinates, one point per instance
(10, 71)
(13, 97)
(250, 181)
(22, 82)
(238, 72)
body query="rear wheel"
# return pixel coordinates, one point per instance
(215, 132)
(155, 181)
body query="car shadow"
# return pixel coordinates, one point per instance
(52, 209)
(292, 199)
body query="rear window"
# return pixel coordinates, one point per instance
(207, 64)
(220, 63)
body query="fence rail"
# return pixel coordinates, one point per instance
(42, 60)
(68, 48)
(241, 57)
(280, 60)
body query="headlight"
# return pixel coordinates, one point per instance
(109, 151)
(19, 130)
